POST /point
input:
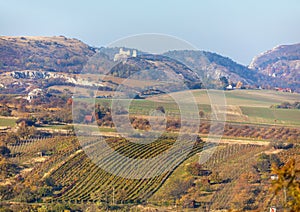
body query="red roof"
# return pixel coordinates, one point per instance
(88, 118)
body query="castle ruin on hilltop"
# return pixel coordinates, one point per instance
(123, 55)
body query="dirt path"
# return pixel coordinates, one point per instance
(204, 138)
(8, 117)
(239, 141)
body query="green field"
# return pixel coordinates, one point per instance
(55, 126)
(255, 98)
(250, 106)
(7, 122)
(272, 116)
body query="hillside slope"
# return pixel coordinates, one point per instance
(275, 68)
(282, 63)
(211, 66)
(58, 54)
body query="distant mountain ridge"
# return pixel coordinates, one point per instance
(211, 67)
(58, 54)
(274, 68)
(281, 63)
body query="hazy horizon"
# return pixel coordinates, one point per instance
(234, 29)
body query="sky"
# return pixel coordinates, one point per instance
(233, 28)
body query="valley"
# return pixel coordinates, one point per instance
(119, 129)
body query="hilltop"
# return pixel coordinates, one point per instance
(282, 63)
(211, 67)
(30, 60)
(56, 54)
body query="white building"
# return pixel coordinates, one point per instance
(229, 87)
(35, 93)
(123, 55)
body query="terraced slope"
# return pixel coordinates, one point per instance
(82, 180)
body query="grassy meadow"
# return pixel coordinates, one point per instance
(7, 122)
(243, 106)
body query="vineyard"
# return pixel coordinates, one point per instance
(263, 132)
(243, 159)
(81, 180)
(235, 183)
(211, 135)
(85, 181)
(258, 132)
(76, 177)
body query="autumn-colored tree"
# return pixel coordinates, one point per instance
(201, 114)
(179, 187)
(121, 196)
(161, 109)
(288, 182)
(22, 105)
(195, 169)
(11, 138)
(25, 132)
(6, 192)
(215, 177)
(244, 195)
(265, 161)
(4, 151)
(5, 111)
(7, 169)
(186, 201)
(69, 102)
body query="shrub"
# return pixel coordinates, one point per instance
(4, 151)
(196, 170)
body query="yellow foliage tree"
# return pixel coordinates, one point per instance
(288, 181)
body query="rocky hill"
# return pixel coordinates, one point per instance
(211, 67)
(282, 63)
(155, 67)
(56, 54)
(34, 60)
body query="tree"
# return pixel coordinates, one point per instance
(6, 192)
(187, 202)
(224, 82)
(49, 181)
(215, 177)
(22, 105)
(11, 138)
(61, 207)
(69, 102)
(161, 109)
(201, 114)
(195, 169)
(44, 191)
(288, 182)
(274, 160)
(263, 164)
(42, 209)
(25, 132)
(265, 161)
(5, 111)
(121, 195)
(179, 187)
(4, 151)
(7, 169)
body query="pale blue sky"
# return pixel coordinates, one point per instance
(234, 28)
